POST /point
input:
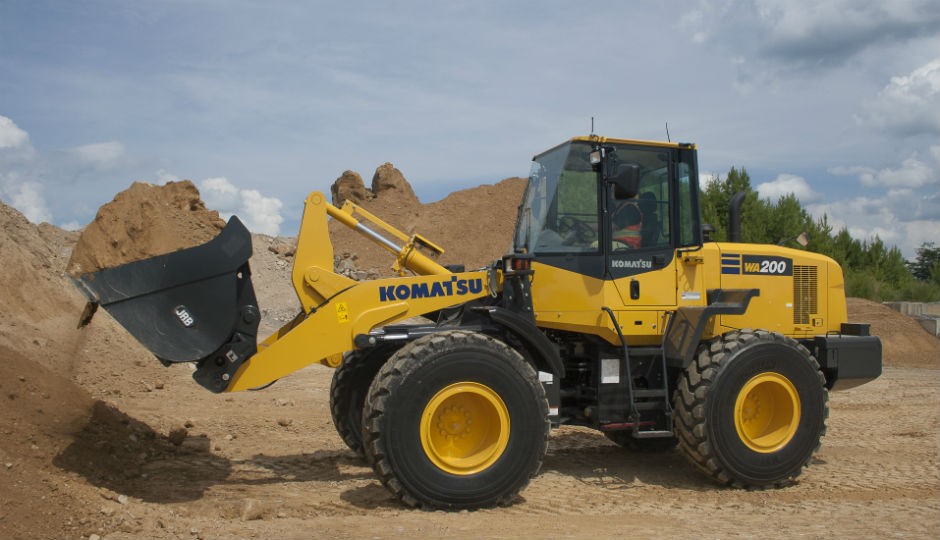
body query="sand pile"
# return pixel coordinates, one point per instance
(474, 226)
(62, 450)
(29, 264)
(904, 341)
(41, 410)
(42, 406)
(143, 221)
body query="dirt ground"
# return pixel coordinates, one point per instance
(97, 439)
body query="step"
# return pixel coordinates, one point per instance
(647, 393)
(658, 434)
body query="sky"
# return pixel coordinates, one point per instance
(259, 103)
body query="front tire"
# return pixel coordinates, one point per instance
(751, 409)
(456, 420)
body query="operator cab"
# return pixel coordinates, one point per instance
(609, 208)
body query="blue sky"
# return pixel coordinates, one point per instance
(259, 103)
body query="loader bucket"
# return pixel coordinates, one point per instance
(194, 305)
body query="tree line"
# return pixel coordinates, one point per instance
(872, 269)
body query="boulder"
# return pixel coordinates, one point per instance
(389, 180)
(349, 186)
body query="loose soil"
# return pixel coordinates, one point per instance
(97, 438)
(142, 221)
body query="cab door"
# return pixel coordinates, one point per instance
(654, 277)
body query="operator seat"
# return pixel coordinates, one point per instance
(627, 221)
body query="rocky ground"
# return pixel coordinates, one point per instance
(97, 439)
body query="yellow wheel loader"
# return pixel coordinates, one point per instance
(610, 312)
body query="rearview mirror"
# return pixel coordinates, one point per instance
(626, 180)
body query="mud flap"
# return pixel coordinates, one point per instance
(194, 305)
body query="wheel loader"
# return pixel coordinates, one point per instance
(610, 311)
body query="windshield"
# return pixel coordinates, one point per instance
(559, 213)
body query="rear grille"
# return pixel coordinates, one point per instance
(804, 293)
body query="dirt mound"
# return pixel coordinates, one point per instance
(904, 342)
(55, 444)
(40, 412)
(474, 226)
(142, 221)
(387, 182)
(29, 265)
(349, 186)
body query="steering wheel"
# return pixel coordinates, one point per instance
(582, 232)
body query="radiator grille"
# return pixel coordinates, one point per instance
(804, 293)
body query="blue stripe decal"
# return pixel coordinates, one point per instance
(730, 270)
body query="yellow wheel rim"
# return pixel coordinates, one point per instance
(767, 412)
(465, 428)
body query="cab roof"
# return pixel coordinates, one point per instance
(612, 140)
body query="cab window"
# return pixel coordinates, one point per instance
(642, 221)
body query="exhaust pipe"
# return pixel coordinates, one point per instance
(734, 217)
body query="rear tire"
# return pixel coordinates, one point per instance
(456, 420)
(351, 381)
(751, 408)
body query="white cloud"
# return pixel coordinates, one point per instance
(786, 184)
(263, 213)
(901, 217)
(913, 173)
(908, 105)
(220, 194)
(866, 175)
(18, 186)
(26, 196)
(11, 136)
(259, 213)
(164, 176)
(917, 233)
(99, 155)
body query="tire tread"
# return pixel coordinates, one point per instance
(692, 392)
(405, 362)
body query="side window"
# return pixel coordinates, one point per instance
(687, 232)
(654, 201)
(643, 221)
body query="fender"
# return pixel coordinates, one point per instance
(688, 324)
(526, 331)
